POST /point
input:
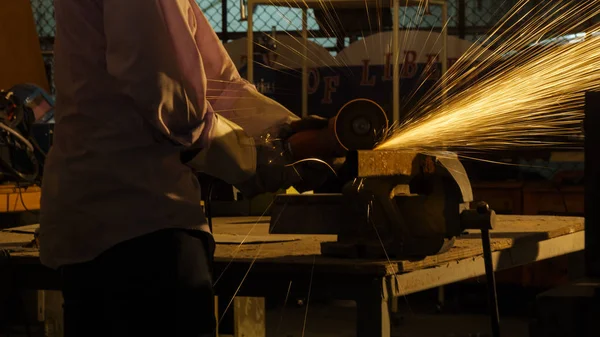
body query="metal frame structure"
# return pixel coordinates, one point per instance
(307, 4)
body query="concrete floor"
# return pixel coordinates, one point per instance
(339, 321)
(463, 315)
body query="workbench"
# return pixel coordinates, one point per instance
(276, 265)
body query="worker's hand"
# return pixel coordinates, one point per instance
(309, 123)
(276, 171)
(255, 165)
(312, 137)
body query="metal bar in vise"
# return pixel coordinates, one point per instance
(371, 164)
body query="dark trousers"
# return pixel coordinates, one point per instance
(156, 285)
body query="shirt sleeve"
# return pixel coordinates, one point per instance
(152, 53)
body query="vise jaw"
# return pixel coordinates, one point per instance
(397, 204)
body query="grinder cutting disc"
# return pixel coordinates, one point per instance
(360, 124)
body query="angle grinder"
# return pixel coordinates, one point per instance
(359, 125)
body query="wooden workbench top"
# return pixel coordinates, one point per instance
(298, 251)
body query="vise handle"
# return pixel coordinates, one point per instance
(480, 218)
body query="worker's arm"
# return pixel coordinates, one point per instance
(152, 54)
(229, 94)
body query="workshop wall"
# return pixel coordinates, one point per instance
(20, 46)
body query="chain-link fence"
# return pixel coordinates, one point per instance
(468, 19)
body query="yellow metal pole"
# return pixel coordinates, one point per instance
(250, 45)
(304, 62)
(444, 48)
(445, 37)
(396, 56)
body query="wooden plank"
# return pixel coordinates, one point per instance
(249, 317)
(10, 239)
(27, 229)
(464, 269)
(51, 312)
(299, 255)
(228, 239)
(510, 229)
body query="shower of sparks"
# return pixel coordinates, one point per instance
(534, 97)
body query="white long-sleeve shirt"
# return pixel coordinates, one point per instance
(137, 82)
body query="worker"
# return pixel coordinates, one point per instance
(147, 96)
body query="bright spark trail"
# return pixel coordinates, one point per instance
(529, 99)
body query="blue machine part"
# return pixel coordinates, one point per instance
(36, 99)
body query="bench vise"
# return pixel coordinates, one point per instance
(391, 204)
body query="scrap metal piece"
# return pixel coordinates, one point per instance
(371, 164)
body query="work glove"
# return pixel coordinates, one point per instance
(312, 137)
(312, 122)
(254, 165)
(276, 170)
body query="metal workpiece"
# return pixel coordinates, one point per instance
(400, 163)
(375, 164)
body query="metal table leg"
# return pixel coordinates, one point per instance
(491, 282)
(483, 218)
